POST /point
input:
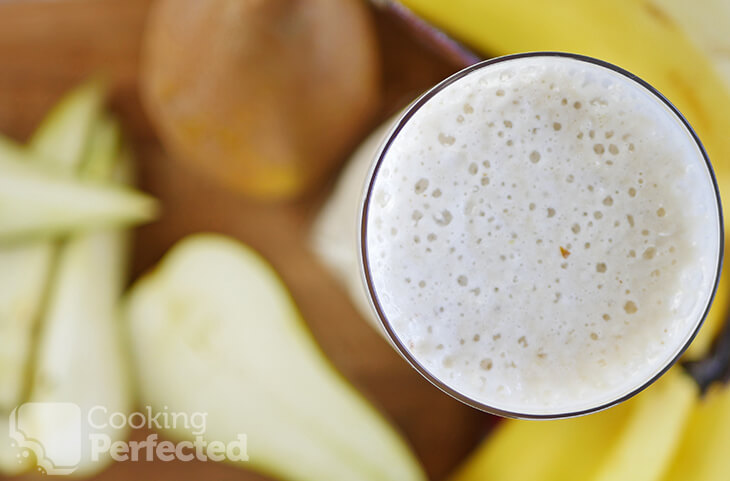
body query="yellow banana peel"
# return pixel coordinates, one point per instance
(706, 24)
(653, 433)
(633, 441)
(545, 450)
(654, 39)
(667, 433)
(703, 453)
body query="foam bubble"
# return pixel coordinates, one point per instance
(446, 139)
(630, 307)
(421, 186)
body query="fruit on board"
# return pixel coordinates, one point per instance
(549, 446)
(80, 356)
(37, 203)
(59, 329)
(652, 435)
(703, 453)
(214, 330)
(25, 267)
(634, 441)
(59, 143)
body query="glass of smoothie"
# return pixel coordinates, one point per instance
(541, 235)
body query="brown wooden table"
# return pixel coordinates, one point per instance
(48, 47)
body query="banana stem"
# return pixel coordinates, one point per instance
(715, 367)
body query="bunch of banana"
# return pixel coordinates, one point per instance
(670, 432)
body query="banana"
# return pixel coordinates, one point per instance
(632, 441)
(653, 433)
(643, 37)
(703, 453)
(548, 447)
(679, 48)
(705, 23)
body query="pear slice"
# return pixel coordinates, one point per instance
(215, 331)
(61, 138)
(35, 202)
(24, 268)
(334, 234)
(81, 354)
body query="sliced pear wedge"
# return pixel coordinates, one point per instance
(62, 136)
(35, 202)
(334, 233)
(81, 355)
(214, 330)
(24, 269)
(58, 144)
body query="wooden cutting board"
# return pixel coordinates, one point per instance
(46, 47)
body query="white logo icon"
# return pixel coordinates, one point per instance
(67, 438)
(35, 427)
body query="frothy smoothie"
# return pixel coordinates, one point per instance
(542, 235)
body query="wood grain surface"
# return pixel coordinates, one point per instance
(47, 47)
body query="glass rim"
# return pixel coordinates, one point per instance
(365, 270)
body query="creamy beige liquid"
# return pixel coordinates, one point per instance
(543, 235)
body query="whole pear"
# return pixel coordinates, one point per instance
(265, 96)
